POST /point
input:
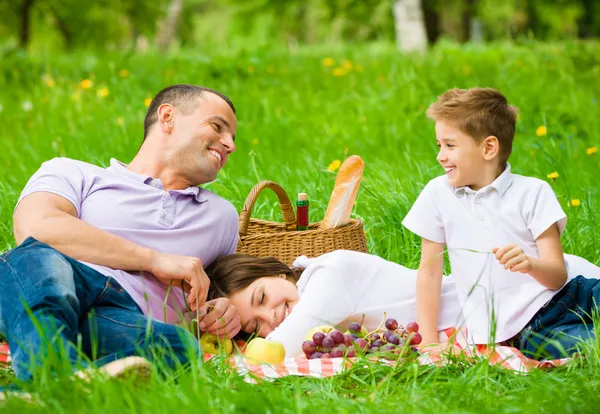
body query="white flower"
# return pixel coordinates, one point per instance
(27, 106)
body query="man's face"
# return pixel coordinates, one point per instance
(203, 140)
(460, 156)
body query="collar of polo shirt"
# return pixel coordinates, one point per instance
(121, 167)
(500, 184)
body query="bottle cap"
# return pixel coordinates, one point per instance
(302, 197)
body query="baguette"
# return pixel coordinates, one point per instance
(344, 193)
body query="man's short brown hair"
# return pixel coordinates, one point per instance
(184, 97)
(479, 113)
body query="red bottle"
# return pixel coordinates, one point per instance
(302, 212)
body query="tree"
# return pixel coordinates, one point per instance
(410, 27)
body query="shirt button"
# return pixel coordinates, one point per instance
(477, 201)
(153, 183)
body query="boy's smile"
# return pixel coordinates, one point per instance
(463, 158)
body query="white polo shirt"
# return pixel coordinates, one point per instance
(512, 209)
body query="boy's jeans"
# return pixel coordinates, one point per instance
(49, 302)
(566, 319)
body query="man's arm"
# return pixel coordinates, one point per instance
(429, 283)
(53, 220)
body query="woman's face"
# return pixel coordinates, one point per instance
(265, 304)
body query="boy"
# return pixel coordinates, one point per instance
(502, 231)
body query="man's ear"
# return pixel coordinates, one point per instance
(490, 147)
(166, 114)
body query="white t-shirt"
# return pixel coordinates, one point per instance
(513, 209)
(340, 287)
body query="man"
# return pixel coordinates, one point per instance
(103, 254)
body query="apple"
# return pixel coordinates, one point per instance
(260, 350)
(323, 328)
(210, 344)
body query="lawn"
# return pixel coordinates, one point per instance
(297, 114)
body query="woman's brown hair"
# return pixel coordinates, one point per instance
(229, 274)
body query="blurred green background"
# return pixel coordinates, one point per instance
(209, 25)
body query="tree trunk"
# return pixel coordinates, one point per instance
(24, 32)
(168, 27)
(432, 20)
(410, 27)
(466, 15)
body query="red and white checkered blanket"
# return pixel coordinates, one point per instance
(504, 356)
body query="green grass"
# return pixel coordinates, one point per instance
(295, 117)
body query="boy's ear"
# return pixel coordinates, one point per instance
(490, 147)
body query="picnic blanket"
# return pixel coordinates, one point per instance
(501, 355)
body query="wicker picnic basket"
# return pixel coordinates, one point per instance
(264, 238)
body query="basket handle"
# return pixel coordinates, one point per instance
(289, 218)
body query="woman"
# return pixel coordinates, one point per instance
(337, 288)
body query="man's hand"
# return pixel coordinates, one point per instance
(513, 258)
(172, 268)
(219, 317)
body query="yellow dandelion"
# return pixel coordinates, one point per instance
(120, 120)
(255, 141)
(591, 151)
(123, 73)
(553, 175)
(103, 92)
(347, 64)
(86, 84)
(574, 203)
(48, 81)
(250, 69)
(358, 68)
(147, 102)
(328, 62)
(541, 131)
(338, 71)
(335, 164)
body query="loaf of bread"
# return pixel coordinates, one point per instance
(344, 193)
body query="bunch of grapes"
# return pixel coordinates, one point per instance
(394, 339)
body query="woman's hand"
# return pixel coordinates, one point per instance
(445, 348)
(219, 317)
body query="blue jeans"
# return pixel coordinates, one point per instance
(53, 309)
(558, 328)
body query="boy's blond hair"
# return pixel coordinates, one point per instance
(479, 113)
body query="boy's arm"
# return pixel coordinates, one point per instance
(549, 270)
(429, 282)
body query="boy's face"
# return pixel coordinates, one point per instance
(461, 157)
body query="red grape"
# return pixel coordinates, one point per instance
(416, 339)
(391, 324)
(326, 356)
(316, 355)
(412, 327)
(388, 347)
(337, 337)
(308, 347)
(328, 342)
(354, 327)
(377, 343)
(351, 353)
(361, 344)
(375, 337)
(393, 339)
(348, 339)
(336, 352)
(318, 338)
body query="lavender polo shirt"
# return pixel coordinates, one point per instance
(189, 222)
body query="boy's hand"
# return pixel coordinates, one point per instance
(513, 258)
